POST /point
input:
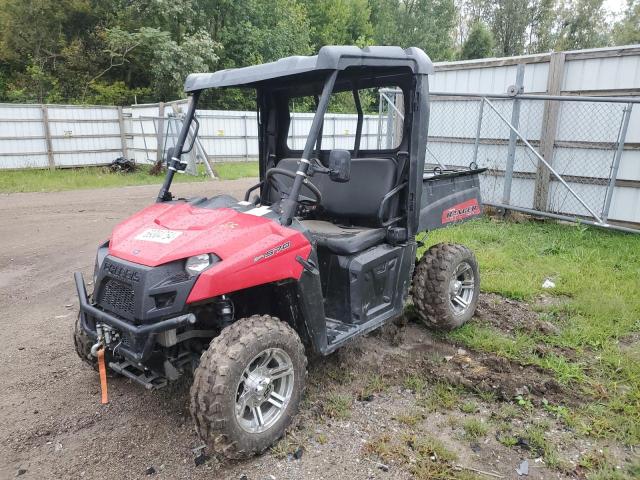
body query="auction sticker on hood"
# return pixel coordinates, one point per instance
(157, 235)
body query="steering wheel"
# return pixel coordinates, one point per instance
(283, 190)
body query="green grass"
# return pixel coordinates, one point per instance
(338, 405)
(32, 180)
(597, 276)
(235, 170)
(474, 429)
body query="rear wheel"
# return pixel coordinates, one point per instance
(248, 386)
(446, 285)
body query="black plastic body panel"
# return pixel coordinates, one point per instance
(449, 198)
(147, 288)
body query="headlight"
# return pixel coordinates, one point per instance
(197, 264)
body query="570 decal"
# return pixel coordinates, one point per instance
(272, 252)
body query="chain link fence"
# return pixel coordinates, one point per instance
(566, 157)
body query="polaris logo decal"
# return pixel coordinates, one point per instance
(272, 252)
(463, 210)
(123, 273)
(158, 236)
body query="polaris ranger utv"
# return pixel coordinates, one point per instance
(238, 292)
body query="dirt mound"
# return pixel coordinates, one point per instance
(480, 372)
(510, 316)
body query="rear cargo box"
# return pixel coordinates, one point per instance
(449, 197)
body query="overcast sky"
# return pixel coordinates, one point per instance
(615, 6)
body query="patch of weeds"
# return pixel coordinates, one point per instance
(524, 402)
(340, 375)
(337, 405)
(443, 396)
(508, 440)
(507, 411)
(415, 383)
(375, 384)
(288, 445)
(599, 466)
(488, 396)
(384, 447)
(469, 407)
(321, 438)
(474, 429)
(559, 411)
(423, 456)
(410, 419)
(539, 445)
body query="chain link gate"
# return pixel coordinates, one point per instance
(554, 156)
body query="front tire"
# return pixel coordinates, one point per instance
(248, 386)
(83, 344)
(446, 285)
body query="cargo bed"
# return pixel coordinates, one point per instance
(448, 197)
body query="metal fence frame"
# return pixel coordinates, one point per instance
(545, 171)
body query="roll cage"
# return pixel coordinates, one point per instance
(334, 69)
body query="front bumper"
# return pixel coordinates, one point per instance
(141, 338)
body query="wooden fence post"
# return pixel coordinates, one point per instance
(123, 134)
(47, 136)
(548, 131)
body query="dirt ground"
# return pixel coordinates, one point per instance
(359, 401)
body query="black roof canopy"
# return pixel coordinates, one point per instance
(383, 63)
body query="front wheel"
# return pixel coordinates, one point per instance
(248, 386)
(446, 285)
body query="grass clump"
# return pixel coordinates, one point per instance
(338, 405)
(423, 456)
(443, 396)
(409, 419)
(415, 383)
(474, 429)
(375, 384)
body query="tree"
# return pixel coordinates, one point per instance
(339, 22)
(627, 30)
(428, 24)
(583, 25)
(479, 43)
(509, 20)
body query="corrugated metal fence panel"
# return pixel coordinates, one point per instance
(605, 73)
(494, 79)
(84, 135)
(22, 137)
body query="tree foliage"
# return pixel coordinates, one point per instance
(120, 51)
(479, 43)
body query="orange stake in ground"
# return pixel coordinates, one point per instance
(103, 376)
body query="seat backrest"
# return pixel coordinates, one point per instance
(360, 197)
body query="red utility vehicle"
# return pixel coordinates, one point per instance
(238, 292)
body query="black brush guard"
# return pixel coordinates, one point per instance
(143, 335)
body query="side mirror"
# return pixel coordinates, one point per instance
(339, 166)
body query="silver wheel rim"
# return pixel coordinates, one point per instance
(264, 391)
(462, 288)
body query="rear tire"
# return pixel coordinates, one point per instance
(446, 285)
(248, 386)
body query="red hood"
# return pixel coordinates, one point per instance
(181, 230)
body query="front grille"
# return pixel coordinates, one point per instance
(118, 296)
